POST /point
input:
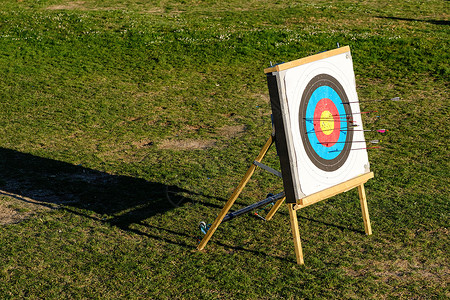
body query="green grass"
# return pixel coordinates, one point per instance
(98, 100)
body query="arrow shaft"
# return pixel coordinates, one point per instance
(366, 148)
(375, 100)
(348, 142)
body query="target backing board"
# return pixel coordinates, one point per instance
(317, 119)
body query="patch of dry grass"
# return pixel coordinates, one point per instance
(15, 208)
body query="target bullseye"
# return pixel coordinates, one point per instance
(326, 126)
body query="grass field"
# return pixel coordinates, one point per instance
(107, 107)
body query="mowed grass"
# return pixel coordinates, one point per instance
(123, 124)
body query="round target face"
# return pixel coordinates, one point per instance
(325, 123)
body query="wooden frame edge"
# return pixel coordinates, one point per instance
(334, 190)
(305, 60)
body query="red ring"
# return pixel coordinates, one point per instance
(324, 139)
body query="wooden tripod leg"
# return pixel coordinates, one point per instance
(296, 234)
(364, 209)
(275, 208)
(234, 196)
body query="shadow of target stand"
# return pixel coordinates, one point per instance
(315, 110)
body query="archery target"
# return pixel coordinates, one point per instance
(321, 120)
(324, 122)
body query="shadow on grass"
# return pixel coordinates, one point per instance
(121, 200)
(169, 236)
(435, 22)
(118, 200)
(342, 228)
(224, 245)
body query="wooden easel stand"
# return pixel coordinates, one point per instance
(293, 207)
(325, 194)
(235, 195)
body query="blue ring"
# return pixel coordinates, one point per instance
(332, 152)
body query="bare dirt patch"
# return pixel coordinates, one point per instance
(227, 132)
(15, 208)
(70, 5)
(231, 131)
(404, 271)
(153, 11)
(82, 5)
(189, 144)
(264, 97)
(9, 215)
(78, 5)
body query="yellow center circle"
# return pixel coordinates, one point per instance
(327, 122)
